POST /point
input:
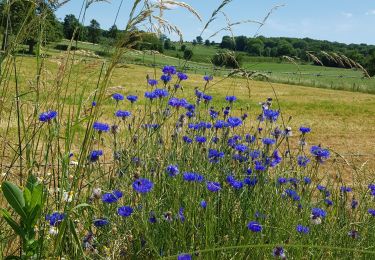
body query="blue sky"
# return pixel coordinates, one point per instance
(347, 21)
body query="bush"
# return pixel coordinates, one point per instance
(227, 59)
(188, 54)
(64, 47)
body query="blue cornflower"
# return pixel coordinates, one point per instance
(100, 127)
(101, 222)
(125, 211)
(276, 159)
(220, 124)
(184, 256)
(94, 155)
(170, 70)
(354, 203)
(203, 204)
(232, 142)
(142, 185)
(160, 92)
(302, 160)
(302, 229)
(199, 94)
(321, 187)
(152, 218)
(271, 115)
(207, 98)
(249, 171)
(235, 183)
(215, 139)
(208, 78)
(279, 252)
(241, 148)
(93, 104)
(345, 189)
(251, 181)
(292, 194)
(152, 82)
(250, 138)
(307, 180)
(213, 186)
(230, 99)
(150, 95)
(304, 130)
(259, 166)
(254, 226)
(176, 102)
(268, 141)
(282, 180)
(328, 202)
(166, 78)
(182, 76)
(234, 122)
(55, 218)
(172, 170)
(214, 114)
(181, 215)
(318, 213)
(239, 157)
(123, 114)
(254, 154)
(47, 116)
(132, 98)
(117, 97)
(371, 212)
(191, 176)
(187, 140)
(319, 153)
(112, 197)
(214, 155)
(293, 180)
(200, 139)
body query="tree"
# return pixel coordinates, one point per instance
(199, 39)
(370, 65)
(183, 47)
(37, 21)
(194, 42)
(285, 49)
(112, 32)
(188, 54)
(167, 44)
(94, 31)
(255, 47)
(227, 43)
(70, 24)
(229, 59)
(241, 42)
(207, 43)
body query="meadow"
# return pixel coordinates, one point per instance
(105, 159)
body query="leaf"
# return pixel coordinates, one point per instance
(27, 197)
(14, 196)
(37, 196)
(34, 215)
(12, 223)
(31, 182)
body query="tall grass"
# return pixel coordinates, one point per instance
(73, 175)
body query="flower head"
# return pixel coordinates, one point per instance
(166, 78)
(192, 177)
(234, 122)
(101, 222)
(230, 99)
(254, 226)
(203, 204)
(118, 97)
(132, 98)
(101, 127)
(184, 257)
(268, 141)
(112, 197)
(55, 218)
(122, 113)
(142, 185)
(302, 229)
(152, 82)
(213, 186)
(320, 154)
(94, 155)
(124, 211)
(304, 130)
(182, 76)
(302, 160)
(47, 116)
(172, 170)
(208, 78)
(170, 70)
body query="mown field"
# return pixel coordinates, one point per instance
(277, 70)
(341, 120)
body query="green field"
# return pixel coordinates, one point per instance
(277, 70)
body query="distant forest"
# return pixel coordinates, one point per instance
(298, 49)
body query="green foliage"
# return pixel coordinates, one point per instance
(28, 205)
(199, 39)
(93, 31)
(188, 54)
(227, 59)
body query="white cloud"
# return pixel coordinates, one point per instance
(167, 5)
(370, 12)
(347, 15)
